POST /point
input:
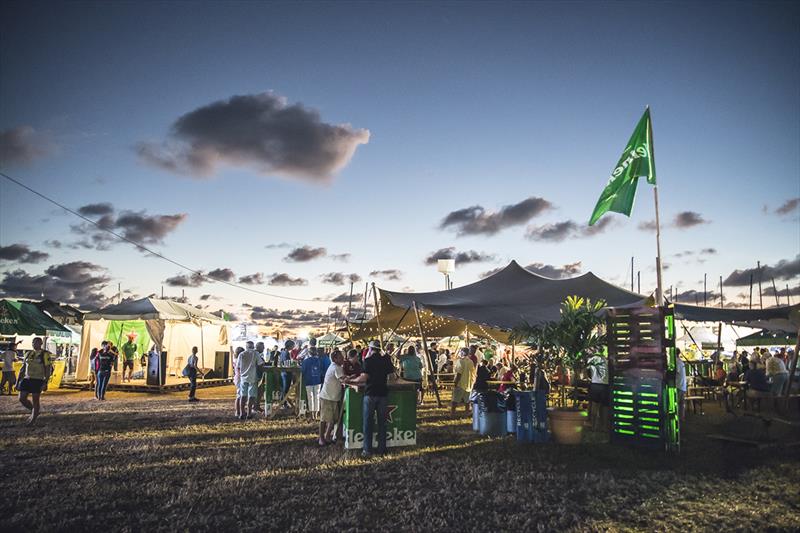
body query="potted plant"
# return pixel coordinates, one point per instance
(567, 343)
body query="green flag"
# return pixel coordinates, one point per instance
(637, 160)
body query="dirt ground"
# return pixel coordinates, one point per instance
(155, 462)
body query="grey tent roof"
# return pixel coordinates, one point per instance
(152, 309)
(501, 302)
(782, 318)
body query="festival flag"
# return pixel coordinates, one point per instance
(637, 160)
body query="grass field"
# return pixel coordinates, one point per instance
(155, 462)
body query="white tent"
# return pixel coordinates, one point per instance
(172, 326)
(691, 334)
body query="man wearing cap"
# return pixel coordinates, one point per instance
(9, 356)
(377, 368)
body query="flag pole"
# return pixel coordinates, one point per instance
(659, 286)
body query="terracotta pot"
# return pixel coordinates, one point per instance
(567, 425)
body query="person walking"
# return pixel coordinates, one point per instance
(9, 376)
(106, 360)
(191, 373)
(377, 369)
(37, 369)
(330, 396)
(247, 364)
(312, 379)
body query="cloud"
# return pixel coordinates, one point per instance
(568, 229)
(476, 220)
(53, 243)
(304, 254)
(389, 275)
(345, 297)
(287, 316)
(99, 209)
(342, 258)
(688, 219)
(339, 278)
(785, 269)
(708, 251)
(647, 225)
(259, 131)
(462, 258)
(788, 207)
(704, 251)
(21, 253)
(185, 280)
(22, 145)
(285, 280)
(279, 245)
(222, 274)
(79, 282)
(692, 296)
(252, 279)
(790, 291)
(550, 271)
(205, 297)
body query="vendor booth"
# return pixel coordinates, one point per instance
(173, 328)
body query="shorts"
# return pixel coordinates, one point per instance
(127, 364)
(33, 386)
(460, 395)
(598, 393)
(247, 389)
(328, 411)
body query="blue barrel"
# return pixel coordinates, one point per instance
(531, 416)
(492, 424)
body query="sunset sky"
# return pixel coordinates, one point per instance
(292, 147)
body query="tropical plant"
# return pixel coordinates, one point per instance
(571, 340)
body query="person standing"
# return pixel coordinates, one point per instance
(285, 359)
(128, 354)
(106, 361)
(411, 370)
(462, 382)
(777, 373)
(352, 366)
(680, 383)
(377, 369)
(37, 363)
(247, 363)
(9, 376)
(93, 367)
(330, 395)
(237, 379)
(312, 379)
(260, 349)
(598, 389)
(191, 373)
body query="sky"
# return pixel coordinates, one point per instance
(290, 148)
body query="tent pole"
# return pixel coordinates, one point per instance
(705, 289)
(391, 331)
(427, 357)
(751, 290)
(659, 285)
(202, 350)
(775, 290)
(760, 296)
(377, 315)
(793, 367)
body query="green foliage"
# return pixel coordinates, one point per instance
(571, 340)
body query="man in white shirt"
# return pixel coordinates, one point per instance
(9, 356)
(777, 373)
(247, 365)
(598, 390)
(329, 397)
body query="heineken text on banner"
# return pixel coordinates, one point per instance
(637, 160)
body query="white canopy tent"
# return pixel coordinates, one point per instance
(171, 326)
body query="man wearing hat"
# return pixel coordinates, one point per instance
(377, 368)
(9, 356)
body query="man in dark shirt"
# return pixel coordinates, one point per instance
(756, 378)
(482, 377)
(377, 368)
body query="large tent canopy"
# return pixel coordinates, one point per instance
(491, 307)
(24, 318)
(171, 326)
(781, 318)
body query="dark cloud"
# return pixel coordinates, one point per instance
(339, 278)
(185, 280)
(462, 258)
(389, 275)
(693, 296)
(788, 207)
(22, 145)
(486, 274)
(704, 251)
(647, 225)
(345, 297)
(285, 280)
(688, 219)
(259, 131)
(287, 316)
(21, 253)
(222, 274)
(53, 243)
(785, 269)
(568, 229)
(205, 297)
(100, 209)
(304, 254)
(708, 251)
(79, 283)
(790, 291)
(476, 220)
(555, 272)
(252, 279)
(686, 253)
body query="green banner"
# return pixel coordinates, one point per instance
(637, 160)
(401, 424)
(118, 334)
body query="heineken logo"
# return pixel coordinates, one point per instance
(633, 155)
(394, 437)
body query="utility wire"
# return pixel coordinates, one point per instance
(146, 249)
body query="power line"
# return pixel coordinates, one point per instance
(152, 252)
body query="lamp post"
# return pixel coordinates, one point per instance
(447, 267)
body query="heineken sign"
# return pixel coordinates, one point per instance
(401, 419)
